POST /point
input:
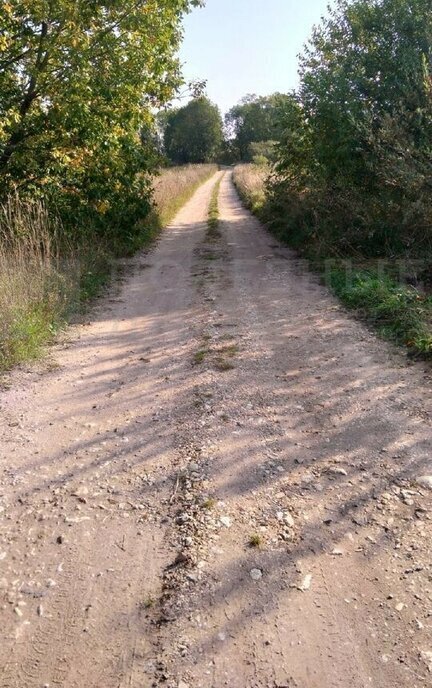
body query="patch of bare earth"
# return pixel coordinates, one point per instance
(217, 487)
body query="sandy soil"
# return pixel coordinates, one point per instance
(214, 483)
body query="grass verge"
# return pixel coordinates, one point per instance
(397, 311)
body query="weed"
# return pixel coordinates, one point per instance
(148, 603)
(230, 351)
(209, 503)
(255, 541)
(222, 364)
(209, 255)
(199, 356)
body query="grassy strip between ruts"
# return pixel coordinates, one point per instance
(398, 311)
(44, 285)
(213, 212)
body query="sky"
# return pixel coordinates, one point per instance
(247, 46)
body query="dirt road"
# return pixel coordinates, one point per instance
(214, 483)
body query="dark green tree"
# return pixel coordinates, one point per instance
(193, 134)
(78, 82)
(256, 119)
(354, 154)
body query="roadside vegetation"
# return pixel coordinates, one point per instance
(44, 281)
(379, 291)
(250, 181)
(350, 182)
(79, 153)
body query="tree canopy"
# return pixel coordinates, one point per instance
(354, 153)
(78, 81)
(193, 133)
(254, 120)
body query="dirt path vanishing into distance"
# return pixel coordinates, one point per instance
(215, 483)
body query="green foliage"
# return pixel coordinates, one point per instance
(400, 313)
(255, 120)
(193, 134)
(78, 82)
(353, 160)
(262, 152)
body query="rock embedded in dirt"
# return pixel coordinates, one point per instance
(306, 582)
(425, 481)
(226, 521)
(256, 574)
(288, 519)
(337, 470)
(426, 656)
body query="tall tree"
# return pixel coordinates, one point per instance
(193, 134)
(354, 155)
(255, 119)
(78, 81)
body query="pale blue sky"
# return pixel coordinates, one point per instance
(247, 46)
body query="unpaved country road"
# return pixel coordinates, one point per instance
(219, 395)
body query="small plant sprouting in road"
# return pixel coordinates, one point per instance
(209, 255)
(223, 361)
(255, 541)
(148, 603)
(230, 351)
(199, 356)
(209, 503)
(223, 364)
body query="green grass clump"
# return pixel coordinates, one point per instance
(255, 541)
(199, 356)
(222, 364)
(230, 351)
(399, 312)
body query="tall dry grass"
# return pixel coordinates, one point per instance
(35, 290)
(175, 186)
(250, 182)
